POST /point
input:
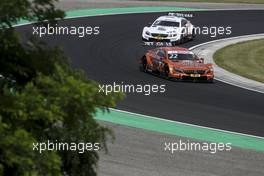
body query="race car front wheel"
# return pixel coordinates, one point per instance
(193, 34)
(182, 39)
(175, 43)
(144, 40)
(166, 72)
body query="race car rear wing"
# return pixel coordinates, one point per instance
(185, 15)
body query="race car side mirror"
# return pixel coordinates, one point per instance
(149, 24)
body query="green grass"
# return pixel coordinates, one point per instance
(219, 1)
(245, 59)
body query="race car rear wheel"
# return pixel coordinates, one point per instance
(143, 66)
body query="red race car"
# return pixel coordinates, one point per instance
(176, 63)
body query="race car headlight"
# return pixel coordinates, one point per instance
(210, 70)
(147, 33)
(178, 70)
(171, 69)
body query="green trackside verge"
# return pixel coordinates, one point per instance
(157, 124)
(115, 11)
(218, 1)
(181, 129)
(124, 10)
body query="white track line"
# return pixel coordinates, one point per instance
(187, 124)
(225, 39)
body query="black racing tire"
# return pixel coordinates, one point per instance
(166, 72)
(144, 40)
(182, 39)
(174, 43)
(143, 65)
(193, 34)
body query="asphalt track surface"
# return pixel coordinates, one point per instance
(138, 152)
(112, 57)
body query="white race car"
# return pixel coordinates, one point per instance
(173, 28)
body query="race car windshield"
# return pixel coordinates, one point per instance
(167, 23)
(179, 56)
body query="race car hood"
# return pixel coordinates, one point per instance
(190, 65)
(162, 29)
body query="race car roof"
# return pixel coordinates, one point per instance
(179, 50)
(168, 49)
(170, 18)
